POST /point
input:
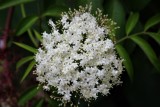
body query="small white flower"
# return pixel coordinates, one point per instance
(64, 19)
(79, 58)
(46, 88)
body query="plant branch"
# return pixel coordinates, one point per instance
(127, 37)
(3, 46)
(8, 21)
(3, 39)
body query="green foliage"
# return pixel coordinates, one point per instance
(25, 24)
(38, 36)
(54, 11)
(27, 95)
(131, 22)
(23, 61)
(8, 3)
(26, 47)
(147, 50)
(152, 21)
(34, 41)
(28, 70)
(155, 36)
(144, 45)
(116, 12)
(127, 61)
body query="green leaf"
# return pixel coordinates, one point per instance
(54, 11)
(131, 22)
(38, 36)
(32, 38)
(26, 96)
(116, 12)
(147, 49)
(23, 61)
(25, 24)
(155, 36)
(152, 21)
(30, 66)
(26, 47)
(127, 61)
(39, 104)
(8, 3)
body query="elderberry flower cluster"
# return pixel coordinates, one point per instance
(78, 56)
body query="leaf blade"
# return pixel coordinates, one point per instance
(9, 3)
(117, 13)
(29, 94)
(147, 49)
(23, 61)
(152, 21)
(54, 11)
(30, 66)
(38, 36)
(131, 22)
(26, 47)
(25, 24)
(127, 61)
(155, 36)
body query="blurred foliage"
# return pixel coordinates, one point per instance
(137, 42)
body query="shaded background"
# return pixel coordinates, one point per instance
(143, 91)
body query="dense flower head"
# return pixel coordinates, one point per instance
(78, 56)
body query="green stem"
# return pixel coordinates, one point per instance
(121, 40)
(29, 30)
(127, 37)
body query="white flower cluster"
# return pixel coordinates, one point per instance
(79, 58)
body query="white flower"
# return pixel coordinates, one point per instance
(79, 58)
